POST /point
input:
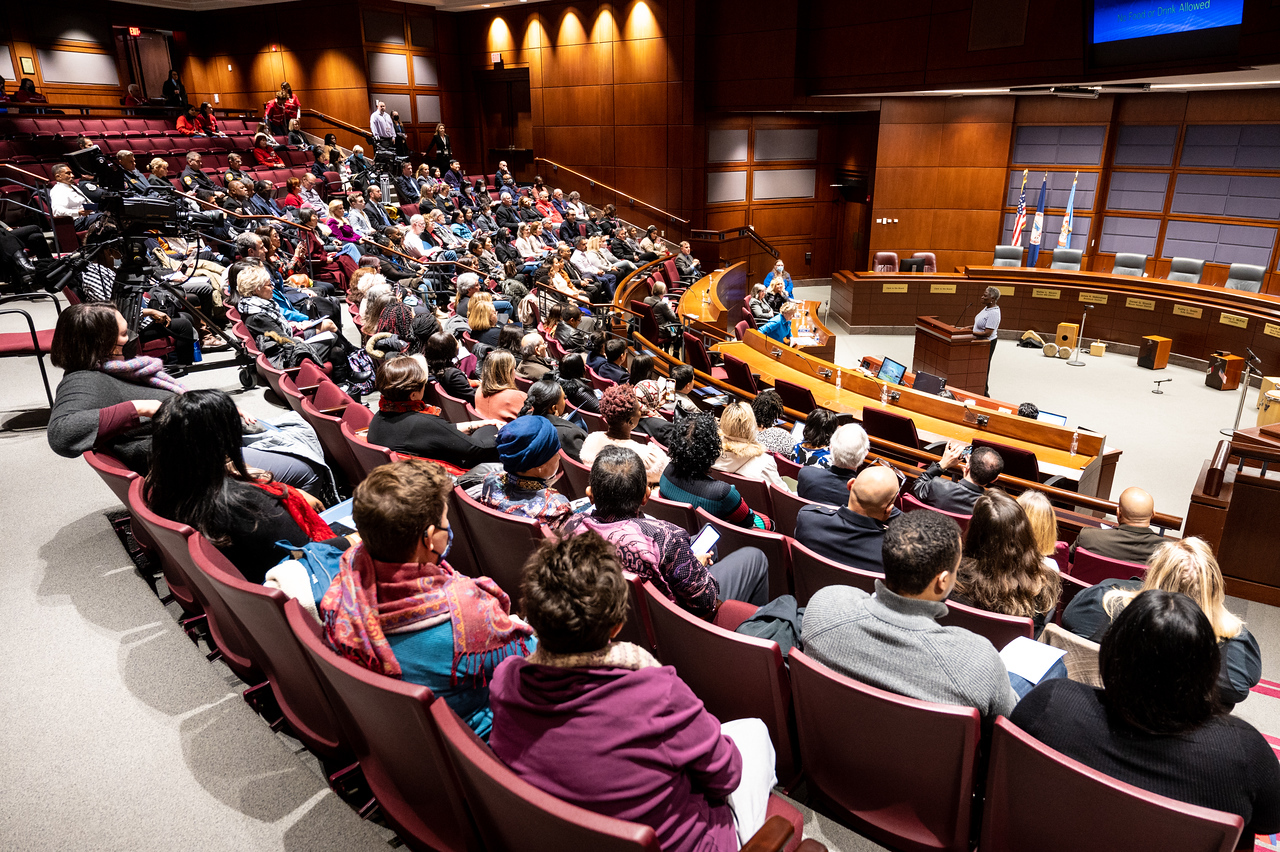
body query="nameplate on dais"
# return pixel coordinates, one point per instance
(1187, 311)
(1140, 304)
(1005, 289)
(1045, 293)
(1233, 320)
(1094, 298)
(942, 288)
(893, 287)
(1271, 329)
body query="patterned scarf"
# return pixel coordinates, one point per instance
(370, 599)
(389, 406)
(143, 370)
(250, 305)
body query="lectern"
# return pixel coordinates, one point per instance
(945, 350)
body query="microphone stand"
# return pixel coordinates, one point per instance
(1244, 390)
(1075, 359)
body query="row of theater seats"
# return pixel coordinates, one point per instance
(917, 753)
(66, 127)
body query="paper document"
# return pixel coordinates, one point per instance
(1030, 659)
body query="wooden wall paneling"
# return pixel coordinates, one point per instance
(783, 221)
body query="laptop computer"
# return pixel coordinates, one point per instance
(1050, 417)
(891, 371)
(929, 383)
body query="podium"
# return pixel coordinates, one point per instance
(958, 356)
(1224, 372)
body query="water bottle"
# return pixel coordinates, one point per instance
(837, 380)
(884, 394)
(1075, 441)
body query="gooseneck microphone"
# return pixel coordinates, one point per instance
(963, 311)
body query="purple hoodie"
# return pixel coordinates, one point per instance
(636, 745)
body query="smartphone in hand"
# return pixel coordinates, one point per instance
(705, 541)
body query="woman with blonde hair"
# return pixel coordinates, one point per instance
(482, 317)
(498, 398)
(1000, 570)
(1189, 567)
(1044, 525)
(742, 453)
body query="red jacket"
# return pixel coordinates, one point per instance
(267, 158)
(188, 127)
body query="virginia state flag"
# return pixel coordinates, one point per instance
(1064, 238)
(1020, 221)
(1037, 224)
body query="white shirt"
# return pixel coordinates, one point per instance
(66, 200)
(529, 247)
(381, 125)
(578, 209)
(586, 264)
(415, 246)
(359, 222)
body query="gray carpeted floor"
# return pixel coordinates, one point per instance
(120, 735)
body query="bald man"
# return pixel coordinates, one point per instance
(852, 534)
(1133, 540)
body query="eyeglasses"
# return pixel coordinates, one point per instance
(902, 478)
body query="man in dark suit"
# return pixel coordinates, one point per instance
(506, 216)
(569, 231)
(1133, 540)
(568, 334)
(615, 356)
(941, 492)
(852, 534)
(688, 265)
(374, 210)
(849, 447)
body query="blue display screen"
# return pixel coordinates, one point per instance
(1116, 20)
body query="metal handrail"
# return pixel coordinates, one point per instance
(615, 190)
(734, 233)
(337, 122)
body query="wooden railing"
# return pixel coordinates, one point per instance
(594, 183)
(339, 123)
(746, 231)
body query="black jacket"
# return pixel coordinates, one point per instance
(823, 485)
(193, 179)
(1128, 543)
(580, 395)
(434, 437)
(407, 189)
(842, 535)
(939, 491)
(571, 437)
(572, 339)
(453, 382)
(507, 217)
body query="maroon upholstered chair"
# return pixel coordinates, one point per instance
(1093, 569)
(501, 542)
(754, 491)
(367, 456)
(1038, 798)
(389, 726)
(599, 382)
(695, 352)
(1018, 462)
(786, 467)
(999, 629)
(930, 260)
(738, 374)
(453, 409)
(298, 691)
(637, 629)
(911, 504)
(118, 478)
(324, 413)
(33, 342)
(595, 423)
(794, 396)
(291, 395)
(577, 476)
(736, 676)
(884, 261)
(907, 779)
(786, 506)
(672, 511)
(740, 330)
(512, 815)
(813, 571)
(169, 539)
(773, 544)
(1071, 586)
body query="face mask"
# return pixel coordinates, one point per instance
(448, 544)
(115, 264)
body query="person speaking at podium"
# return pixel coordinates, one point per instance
(985, 327)
(779, 328)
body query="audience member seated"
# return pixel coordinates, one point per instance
(546, 399)
(1157, 723)
(498, 398)
(830, 484)
(602, 725)
(682, 376)
(189, 123)
(695, 446)
(1133, 540)
(534, 360)
(1185, 566)
(743, 454)
(779, 328)
(567, 333)
(398, 609)
(814, 447)
(613, 364)
(852, 534)
(689, 267)
(106, 403)
(264, 153)
(892, 640)
(407, 425)
(761, 311)
(660, 552)
(979, 471)
(1001, 570)
(1044, 525)
(198, 477)
(529, 449)
(442, 359)
(573, 380)
(767, 408)
(621, 412)
(482, 319)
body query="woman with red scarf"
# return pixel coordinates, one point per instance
(398, 609)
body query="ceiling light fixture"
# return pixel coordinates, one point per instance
(1231, 84)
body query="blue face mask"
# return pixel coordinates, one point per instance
(448, 544)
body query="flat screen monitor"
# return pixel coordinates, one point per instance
(1129, 32)
(891, 371)
(1050, 417)
(929, 383)
(911, 264)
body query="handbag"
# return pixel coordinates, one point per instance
(321, 561)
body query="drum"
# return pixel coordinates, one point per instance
(1269, 411)
(1050, 350)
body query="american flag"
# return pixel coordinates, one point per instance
(1020, 221)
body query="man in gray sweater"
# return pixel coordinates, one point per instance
(892, 639)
